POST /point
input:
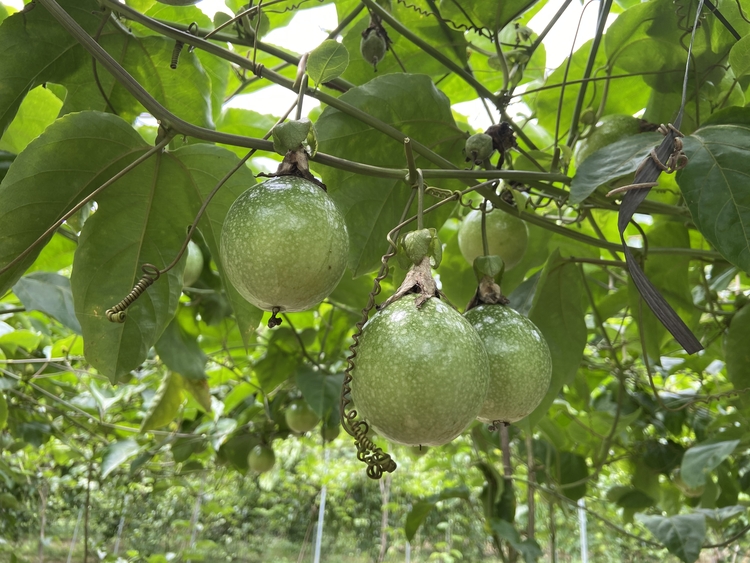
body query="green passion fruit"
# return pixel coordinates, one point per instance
(520, 362)
(300, 417)
(284, 244)
(261, 458)
(507, 237)
(420, 374)
(193, 265)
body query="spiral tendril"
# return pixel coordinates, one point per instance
(118, 313)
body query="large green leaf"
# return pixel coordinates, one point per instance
(372, 206)
(702, 459)
(736, 350)
(716, 188)
(141, 219)
(35, 49)
(571, 468)
(682, 534)
(49, 293)
(73, 157)
(611, 163)
(558, 312)
(181, 352)
(529, 548)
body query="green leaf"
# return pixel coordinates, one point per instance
(275, 368)
(327, 61)
(166, 403)
(141, 219)
(200, 391)
(739, 57)
(717, 516)
(558, 312)
(682, 534)
(736, 350)
(611, 163)
(34, 49)
(635, 499)
(22, 338)
(419, 512)
(181, 352)
(322, 392)
(84, 150)
(528, 548)
(372, 206)
(203, 167)
(571, 468)
(37, 111)
(49, 293)
(3, 411)
(716, 189)
(699, 461)
(118, 453)
(487, 14)
(244, 122)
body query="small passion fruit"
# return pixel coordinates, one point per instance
(520, 362)
(300, 417)
(284, 244)
(373, 46)
(478, 147)
(261, 458)
(421, 374)
(193, 265)
(507, 237)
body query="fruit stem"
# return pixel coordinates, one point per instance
(485, 244)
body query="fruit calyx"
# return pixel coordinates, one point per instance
(296, 163)
(423, 249)
(489, 273)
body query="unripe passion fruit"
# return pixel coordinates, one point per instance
(261, 459)
(284, 244)
(520, 362)
(300, 417)
(420, 375)
(372, 46)
(478, 147)
(507, 237)
(193, 265)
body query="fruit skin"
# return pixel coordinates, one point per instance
(507, 237)
(193, 265)
(284, 244)
(420, 375)
(261, 458)
(520, 362)
(330, 433)
(611, 128)
(300, 417)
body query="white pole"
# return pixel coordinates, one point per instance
(582, 528)
(75, 534)
(408, 552)
(121, 525)
(321, 510)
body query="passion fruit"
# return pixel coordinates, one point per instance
(520, 362)
(420, 374)
(284, 244)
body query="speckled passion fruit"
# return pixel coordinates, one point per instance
(507, 237)
(420, 375)
(520, 362)
(284, 244)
